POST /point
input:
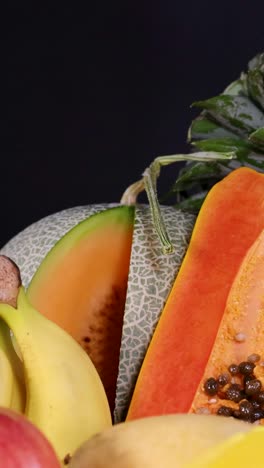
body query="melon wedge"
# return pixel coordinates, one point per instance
(81, 285)
(151, 277)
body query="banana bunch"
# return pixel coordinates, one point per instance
(44, 373)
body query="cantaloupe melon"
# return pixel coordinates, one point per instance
(81, 284)
(30, 246)
(151, 276)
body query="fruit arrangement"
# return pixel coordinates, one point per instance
(132, 334)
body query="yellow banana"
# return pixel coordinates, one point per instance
(6, 380)
(64, 394)
(18, 400)
(12, 389)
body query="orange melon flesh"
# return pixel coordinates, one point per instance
(81, 285)
(229, 222)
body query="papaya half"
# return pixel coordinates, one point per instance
(233, 380)
(229, 222)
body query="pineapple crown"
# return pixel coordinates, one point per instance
(232, 122)
(228, 133)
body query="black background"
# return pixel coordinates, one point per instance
(90, 95)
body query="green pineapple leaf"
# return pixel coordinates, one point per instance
(239, 146)
(255, 86)
(236, 113)
(192, 204)
(231, 122)
(257, 138)
(196, 174)
(253, 80)
(203, 128)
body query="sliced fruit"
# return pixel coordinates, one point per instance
(229, 222)
(238, 347)
(29, 247)
(151, 277)
(81, 285)
(164, 441)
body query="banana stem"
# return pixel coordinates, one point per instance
(149, 184)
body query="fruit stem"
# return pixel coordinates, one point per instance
(149, 184)
(130, 195)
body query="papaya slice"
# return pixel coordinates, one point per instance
(228, 223)
(81, 285)
(237, 356)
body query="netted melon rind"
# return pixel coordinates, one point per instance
(28, 248)
(151, 277)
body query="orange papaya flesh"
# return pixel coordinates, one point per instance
(239, 338)
(229, 221)
(81, 285)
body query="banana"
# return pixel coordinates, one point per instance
(12, 388)
(169, 441)
(65, 397)
(6, 380)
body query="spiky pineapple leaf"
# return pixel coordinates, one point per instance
(237, 87)
(255, 86)
(256, 61)
(232, 121)
(236, 113)
(257, 138)
(240, 147)
(192, 204)
(203, 127)
(196, 172)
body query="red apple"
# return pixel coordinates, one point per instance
(22, 445)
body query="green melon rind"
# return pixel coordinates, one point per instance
(117, 215)
(151, 277)
(28, 248)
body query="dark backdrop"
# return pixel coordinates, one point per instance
(91, 95)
